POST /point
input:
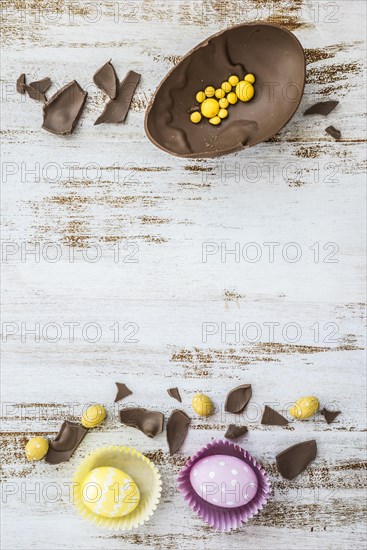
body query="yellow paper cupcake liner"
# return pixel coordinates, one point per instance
(139, 467)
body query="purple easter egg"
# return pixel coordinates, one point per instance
(224, 480)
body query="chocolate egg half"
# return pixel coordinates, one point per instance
(270, 52)
(224, 480)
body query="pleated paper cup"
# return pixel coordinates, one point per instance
(220, 518)
(137, 466)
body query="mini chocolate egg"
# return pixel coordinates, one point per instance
(93, 416)
(36, 448)
(209, 91)
(223, 103)
(232, 98)
(245, 91)
(224, 480)
(209, 108)
(200, 96)
(202, 404)
(195, 117)
(110, 492)
(219, 94)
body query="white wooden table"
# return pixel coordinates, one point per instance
(132, 278)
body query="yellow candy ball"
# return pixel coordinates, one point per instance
(195, 117)
(250, 78)
(209, 108)
(93, 416)
(200, 96)
(223, 103)
(226, 86)
(110, 492)
(233, 80)
(202, 404)
(305, 407)
(36, 448)
(223, 113)
(219, 93)
(232, 98)
(245, 91)
(209, 91)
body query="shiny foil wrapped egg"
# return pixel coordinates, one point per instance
(224, 480)
(110, 492)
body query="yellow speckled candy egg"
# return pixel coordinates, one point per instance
(223, 103)
(250, 78)
(226, 86)
(223, 113)
(245, 91)
(209, 108)
(195, 117)
(209, 91)
(110, 492)
(202, 404)
(93, 416)
(233, 80)
(200, 96)
(232, 98)
(219, 94)
(215, 120)
(305, 407)
(36, 448)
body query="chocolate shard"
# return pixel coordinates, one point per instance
(273, 418)
(294, 460)
(65, 443)
(21, 84)
(62, 111)
(173, 392)
(41, 85)
(34, 94)
(148, 422)
(116, 109)
(238, 398)
(329, 415)
(234, 432)
(177, 428)
(333, 132)
(105, 78)
(322, 108)
(122, 391)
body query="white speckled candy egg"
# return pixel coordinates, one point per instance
(224, 481)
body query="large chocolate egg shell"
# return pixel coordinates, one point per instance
(271, 53)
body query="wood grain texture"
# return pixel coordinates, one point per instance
(130, 265)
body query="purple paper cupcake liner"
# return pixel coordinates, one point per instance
(224, 519)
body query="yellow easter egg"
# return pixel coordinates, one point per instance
(245, 91)
(209, 108)
(250, 78)
(209, 91)
(195, 117)
(202, 404)
(223, 103)
(110, 492)
(36, 448)
(215, 120)
(219, 94)
(223, 113)
(232, 98)
(305, 407)
(93, 416)
(226, 86)
(200, 96)
(233, 80)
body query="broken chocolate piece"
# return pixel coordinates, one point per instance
(177, 427)
(273, 418)
(105, 78)
(329, 415)
(62, 111)
(34, 94)
(173, 392)
(21, 84)
(41, 85)
(148, 422)
(238, 398)
(65, 443)
(116, 109)
(122, 391)
(234, 432)
(336, 134)
(295, 459)
(322, 108)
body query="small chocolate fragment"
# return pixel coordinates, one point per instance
(122, 391)
(295, 459)
(41, 85)
(34, 94)
(21, 84)
(323, 108)
(329, 415)
(273, 418)
(234, 432)
(336, 134)
(62, 111)
(65, 443)
(173, 392)
(105, 78)
(177, 428)
(116, 109)
(238, 398)
(148, 422)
